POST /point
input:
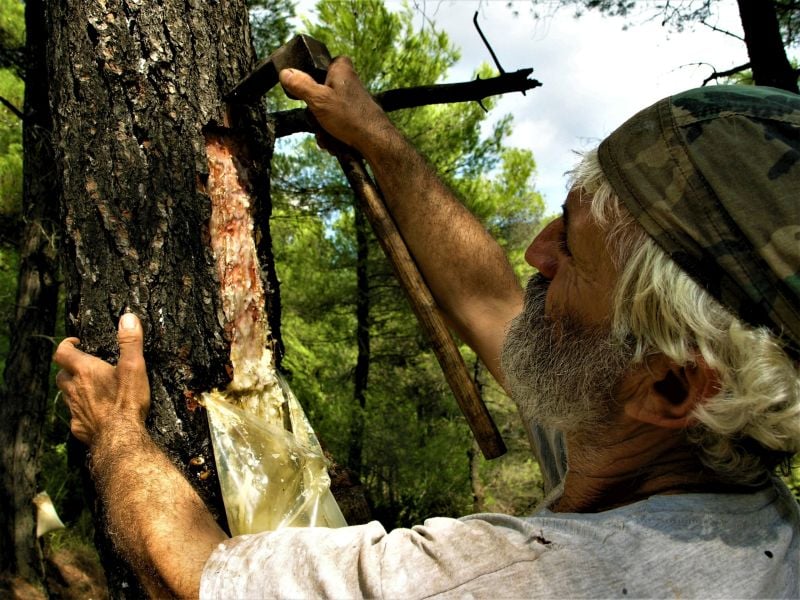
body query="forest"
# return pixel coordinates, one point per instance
(344, 336)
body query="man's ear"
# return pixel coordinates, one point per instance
(670, 392)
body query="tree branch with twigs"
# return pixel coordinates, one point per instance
(288, 122)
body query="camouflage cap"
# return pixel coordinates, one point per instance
(713, 175)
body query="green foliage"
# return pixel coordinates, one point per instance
(269, 24)
(11, 89)
(792, 478)
(12, 34)
(9, 267)
(416, 445)
(12, 23)
(746, 77)
(12, 38)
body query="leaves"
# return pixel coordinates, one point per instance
(414, 442)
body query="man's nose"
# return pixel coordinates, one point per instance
(543, 253)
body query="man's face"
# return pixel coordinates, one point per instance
(571, 253)
(561, 363)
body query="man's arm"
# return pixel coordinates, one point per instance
(467, 271)
(156, 519)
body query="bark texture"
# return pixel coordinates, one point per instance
(23, 404)
(134, 85)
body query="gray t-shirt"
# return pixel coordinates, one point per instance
(682, 546)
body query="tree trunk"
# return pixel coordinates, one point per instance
(136, 84)
(23, 405)
(475, 481)
(765, 47)
(361, 373)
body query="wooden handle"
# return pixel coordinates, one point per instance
(424, 306)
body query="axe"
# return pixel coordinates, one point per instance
(309, 55)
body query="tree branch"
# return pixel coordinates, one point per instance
(718, 30)
(720, 74)
(288, 122)
(12, 108)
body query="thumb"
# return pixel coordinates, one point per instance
(130, 338)
(298, 83)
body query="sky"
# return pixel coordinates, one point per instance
(595, 72)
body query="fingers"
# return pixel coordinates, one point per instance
(64, 383)
(340, 69)
(303, 86)
(131, 339)
(67, 356)
(299, 84)
(134, 389)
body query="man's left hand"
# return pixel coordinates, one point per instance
(99, 395)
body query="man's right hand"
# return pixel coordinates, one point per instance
(343, 106)
(99, 395)
(466, 270)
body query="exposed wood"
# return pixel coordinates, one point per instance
(288, 122)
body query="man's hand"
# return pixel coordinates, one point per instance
(100, 396)
(466, 270)
(343, 106)
(157, 521)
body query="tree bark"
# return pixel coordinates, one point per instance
(765, 46)
(135, 84)
(23, 404)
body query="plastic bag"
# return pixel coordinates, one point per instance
(272, 470)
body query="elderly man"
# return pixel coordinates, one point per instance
(654, 360)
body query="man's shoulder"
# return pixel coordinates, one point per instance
(709, 545)
(743, 545)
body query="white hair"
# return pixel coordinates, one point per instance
(753, 423)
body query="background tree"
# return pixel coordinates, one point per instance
(769, 26)
(357, 357)
(30, 233)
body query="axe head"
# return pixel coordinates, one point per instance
(301, 52)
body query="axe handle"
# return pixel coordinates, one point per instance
(424, 306)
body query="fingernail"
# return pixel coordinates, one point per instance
(127, 321)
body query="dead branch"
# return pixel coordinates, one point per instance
(720, 74)
(17, 112)
(723, 31)
(298, 120)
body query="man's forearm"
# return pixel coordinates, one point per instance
(155, 517)
(466, 269)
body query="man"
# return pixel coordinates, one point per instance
(654, 360)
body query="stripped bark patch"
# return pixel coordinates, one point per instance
(232, 241)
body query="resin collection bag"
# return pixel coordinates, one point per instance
(272, 470)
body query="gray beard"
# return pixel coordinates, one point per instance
(560, 373)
